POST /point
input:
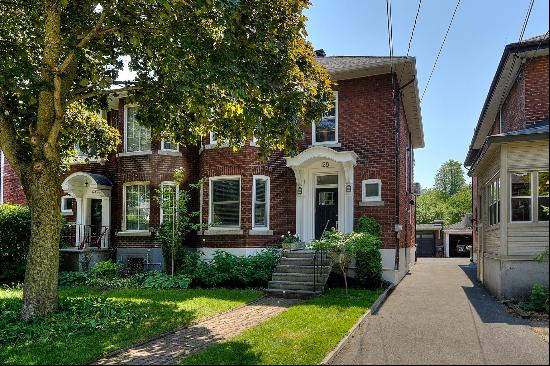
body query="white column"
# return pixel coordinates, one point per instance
(447, 254)
(348, 197)
(106, 220)
(300, 194)
(79, 222)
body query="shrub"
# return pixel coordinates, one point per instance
(165, 281)
(368, 225)
(538, 300)
(15, 232)
(366, 249)
(107, 270)
(73, 278)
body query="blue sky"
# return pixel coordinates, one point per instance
(458, 88)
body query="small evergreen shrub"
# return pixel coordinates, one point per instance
(368, 225)
(366, 249)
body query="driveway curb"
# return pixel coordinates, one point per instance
(359, 323)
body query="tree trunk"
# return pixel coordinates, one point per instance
(41, 277)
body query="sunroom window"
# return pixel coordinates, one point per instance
(138, 137)
(521, 197)
(543, 196)
(225, 202)
(493, 191)
(326, 130)
(137, 206)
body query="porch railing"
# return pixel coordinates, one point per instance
(85, 236)
(320, 261)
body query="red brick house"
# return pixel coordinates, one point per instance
(508, 162)
(358, 160)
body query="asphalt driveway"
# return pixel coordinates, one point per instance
(439, 314)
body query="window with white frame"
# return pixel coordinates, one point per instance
(260, 202)
(493, 195)
(225, 202)
(138, 137)
(213, 138)
(169, 146)
(326, 130)
(372, 190)
(543, 203)
(66, 205)
(136, 206)
(521, 197)
(170, 193)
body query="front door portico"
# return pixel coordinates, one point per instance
(324, 191)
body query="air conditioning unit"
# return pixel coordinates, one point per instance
(416, 188)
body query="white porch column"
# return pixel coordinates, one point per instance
(348, 196)
(300, 198)
(79, 233)
(106, 220)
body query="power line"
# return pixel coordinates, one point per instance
(414, 26)
(526, 20)
(390, 37)
(440, 49)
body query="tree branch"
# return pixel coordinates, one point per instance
(8, 138)
(96, 93)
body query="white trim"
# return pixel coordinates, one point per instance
(213, 140)
(124, 188)
(267, 201)
(168, 184)
(364, 197)
(134, 153)
(314, 126)
(2, 177)
(126, 106)
(66, 212)
(210, 202)
(162, 148)
(529, 197)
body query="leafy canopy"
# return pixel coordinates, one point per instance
(450, 178)
(238, 68)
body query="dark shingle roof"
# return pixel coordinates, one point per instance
(101, 180)
(338, 63)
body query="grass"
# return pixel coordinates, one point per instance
(143, 314)
(304, 334)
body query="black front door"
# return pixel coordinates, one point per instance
(326, 210)
(96, 218)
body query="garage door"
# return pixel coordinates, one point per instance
(425, 244)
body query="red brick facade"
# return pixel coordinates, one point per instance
(367, 127)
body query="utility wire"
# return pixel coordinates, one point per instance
(440, 49)
(526, 20)
(414, 26)
(390, 36)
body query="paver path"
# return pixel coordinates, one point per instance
(439, 314)
(173, 347)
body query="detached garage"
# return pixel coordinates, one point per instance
(429, 240)
(437, 240)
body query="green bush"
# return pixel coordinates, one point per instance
(366, 249)
(165, 281)
(368, 225)
(107, 270)
(538, 300)
(15, 232)
(73, 278)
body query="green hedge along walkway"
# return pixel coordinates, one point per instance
(170, 348)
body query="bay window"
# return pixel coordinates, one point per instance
(521, 201)
(136, 206)
(260, 204)
(138, 137)
(225, 202)
(543, 196)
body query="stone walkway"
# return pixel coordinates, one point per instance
(172, 347)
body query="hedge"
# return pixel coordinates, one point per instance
(15, 232)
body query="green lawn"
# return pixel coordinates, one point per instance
(304, 334)
(137, 315)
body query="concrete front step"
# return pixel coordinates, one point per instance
(296, 277)
(296, 261)
(299, 254)
(292, 285)
(290, 268)
(292, 294)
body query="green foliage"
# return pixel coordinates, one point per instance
(73, 278)
(366, 249)
(449, 179)
(14, 240)
(543, 256)
(433, 205)
(107, 270)
(368, 225)
(288, 239)
(538, 299)
(164, 281)
(228, 270)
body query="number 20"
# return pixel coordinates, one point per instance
(325, 164)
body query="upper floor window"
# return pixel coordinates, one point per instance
(213, 138)
(521, 201)
(169, 146)
(260, 204)
(225, 201)
(138, 137)
(326, 131)
(372, 190)
(136, 206)
(543, 196)
(493, 194)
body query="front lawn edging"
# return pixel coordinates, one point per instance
(139, 344)
(359, 323)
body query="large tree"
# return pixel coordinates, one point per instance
(236, 67)
(449, 179)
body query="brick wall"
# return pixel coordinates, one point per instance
(12, 189)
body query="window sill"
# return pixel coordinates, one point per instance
(371, 203)
(67, 213)
(134, 153)
(260, 232)
(216, 146)
(223, 231)
(170, 153)
(90, 161)
(326, 144)
(133, 233)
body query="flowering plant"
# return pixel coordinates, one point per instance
(288, 239)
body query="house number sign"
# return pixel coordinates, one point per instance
(325, 164)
